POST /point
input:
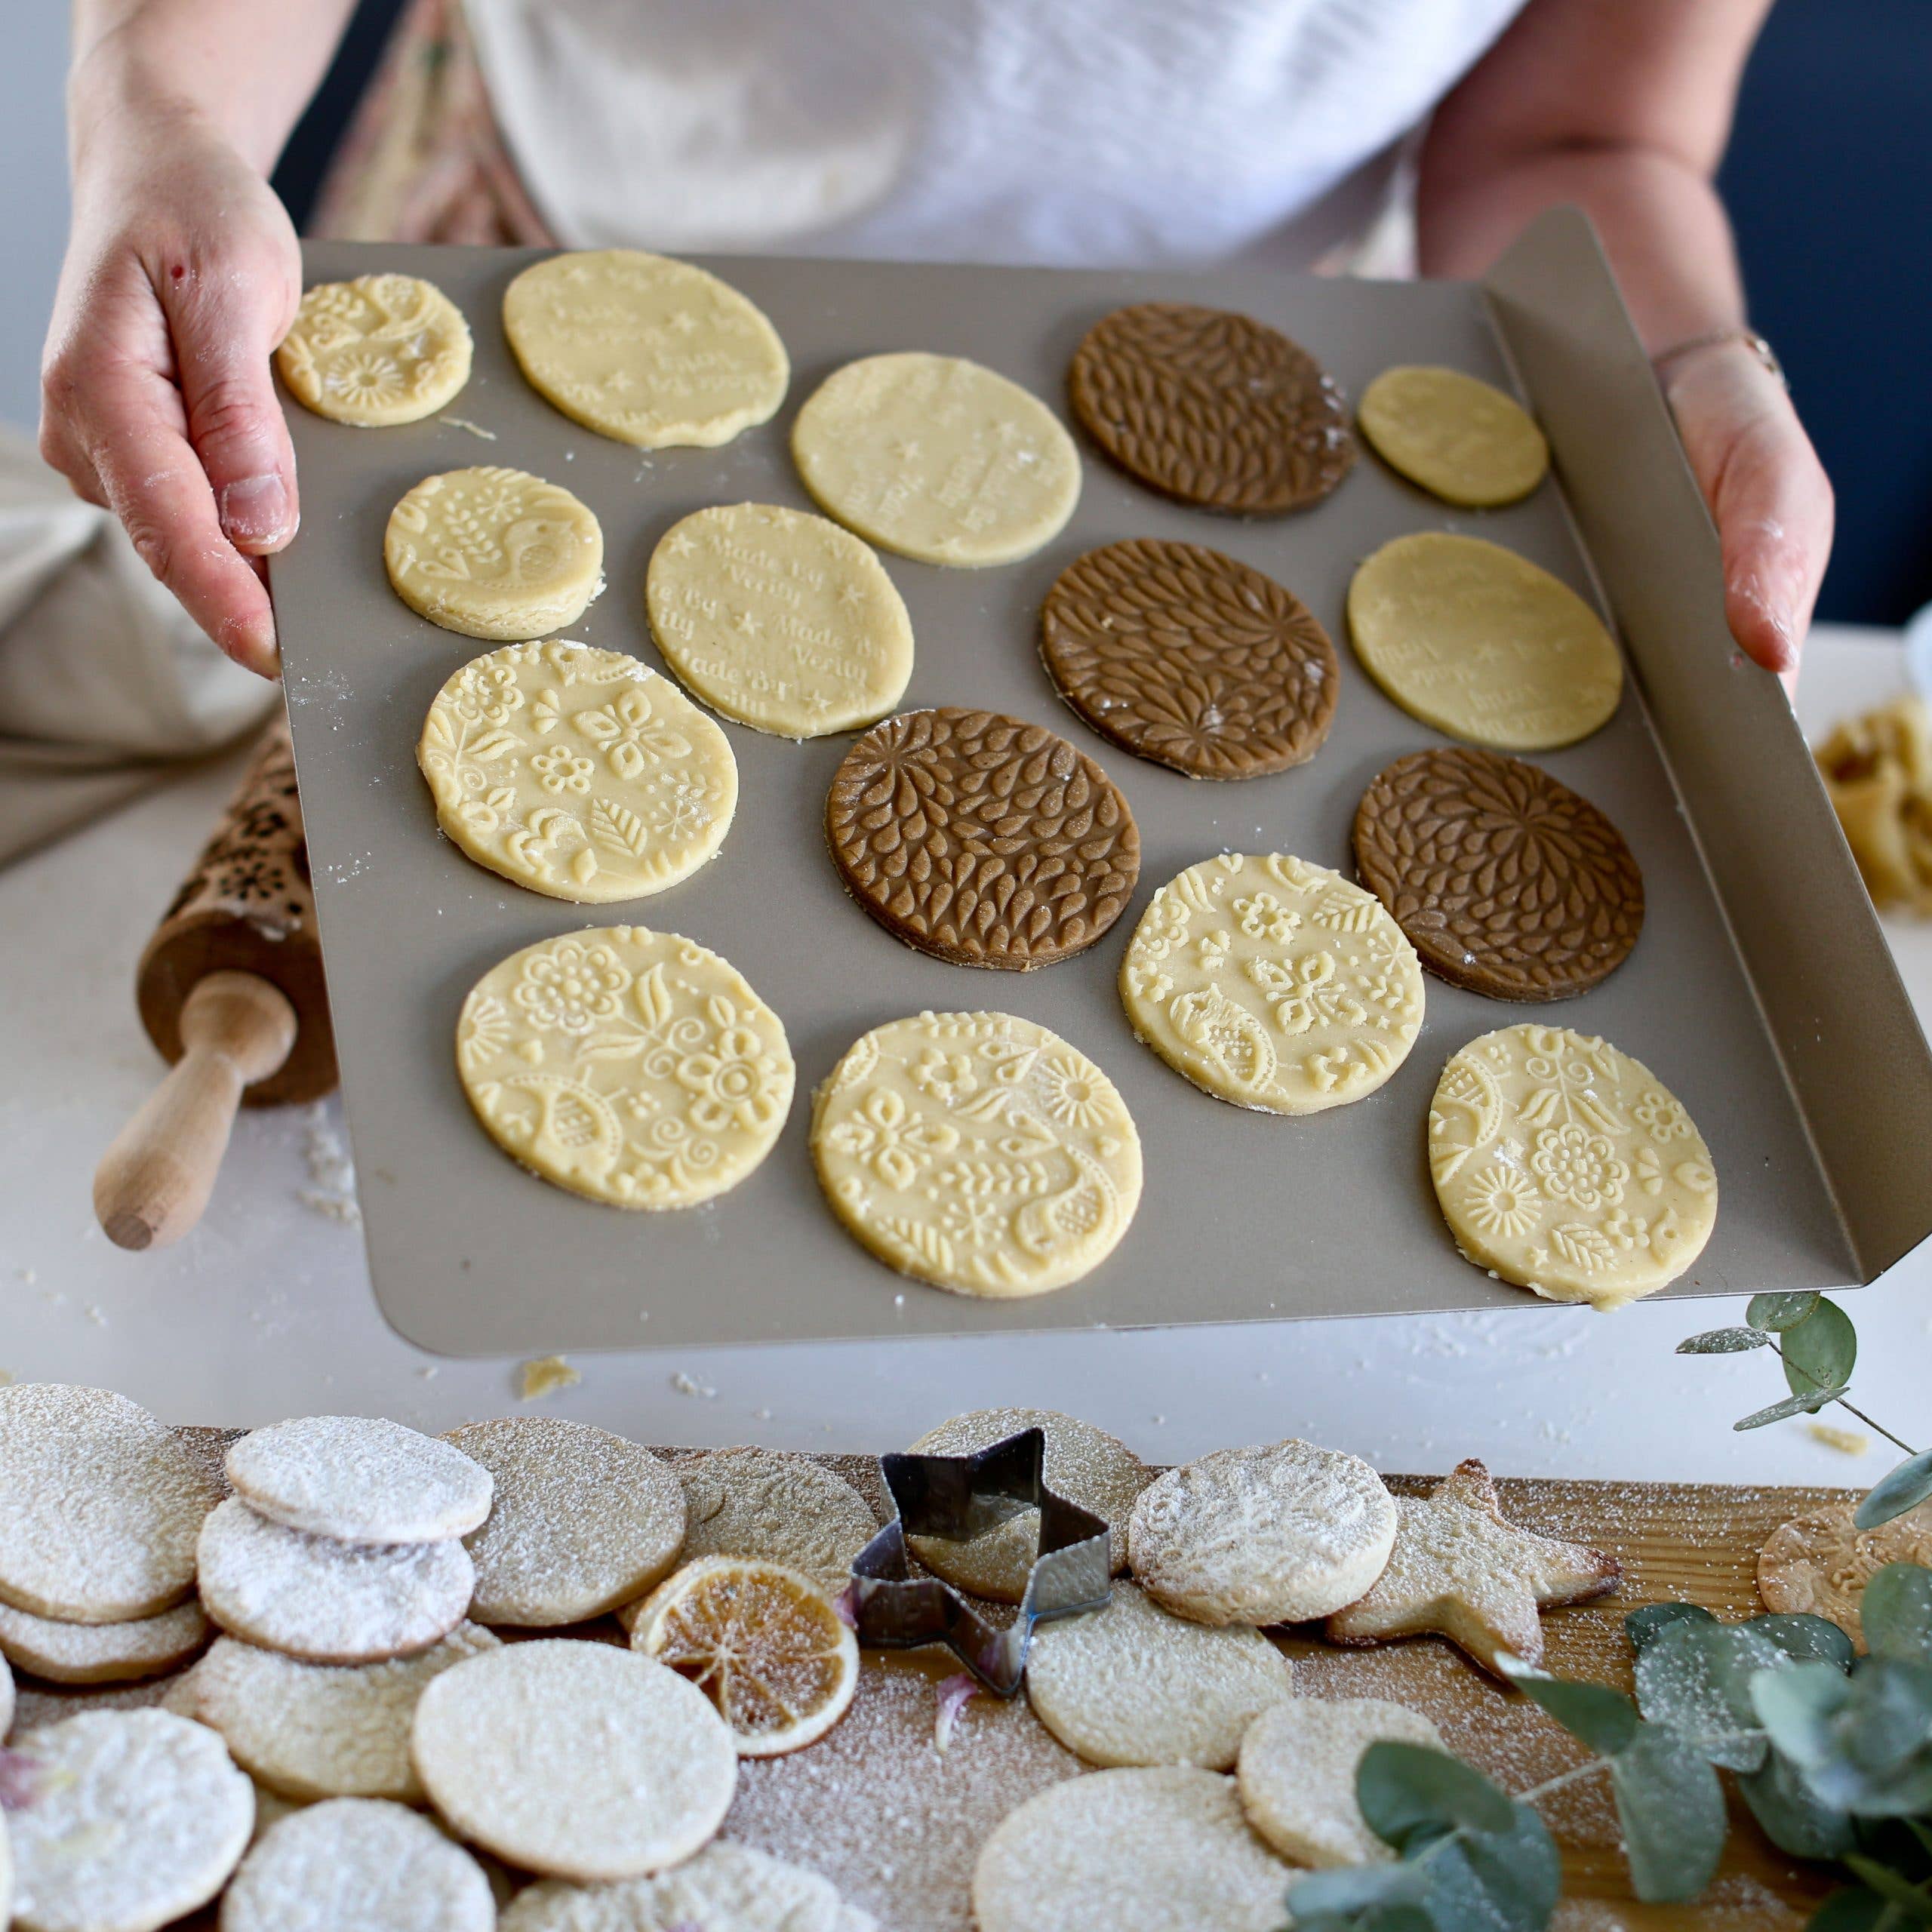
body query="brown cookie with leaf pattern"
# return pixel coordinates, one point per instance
(981, 839)
(1211, 406)
(1505, 881)
(1190, 658)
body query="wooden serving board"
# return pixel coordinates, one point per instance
(897, 1824)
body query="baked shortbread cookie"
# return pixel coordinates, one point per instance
(64, 1652)
(1820, 1563)
(725, 1888)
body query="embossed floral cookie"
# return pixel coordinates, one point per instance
(632, 1067)
(978, 1151)
(1567, 1168)
(577, 773)
(1273, 983)
(381, 350)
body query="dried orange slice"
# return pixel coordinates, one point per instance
(762, 1642)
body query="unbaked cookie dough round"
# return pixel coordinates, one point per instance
(780, 620)
(325, 1601)
(99, 1506)
(769, 1507)
(312, 1730)
(137, 1818)
(1477, 641)
(634, 1068)
(1266, 1535)
(1131, 1684)
(356, 1864)
(1567, 1168)
(358, 1479)
(1296, 1775)
(577, 773)
(978, 1151)
(1085, 1465)
(646, 350)
(575, 1760)
(938, 458)
(380, 350)
(1164, 1850)
(1457, 438)
(583, 1520)
(726, 1887)
(63, 1653)
(1276, 984)
(493, 553)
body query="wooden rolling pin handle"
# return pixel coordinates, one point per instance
(153, 1182)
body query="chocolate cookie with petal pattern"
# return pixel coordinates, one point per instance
(1211, 406)
(1505, 881)
(1189, 659)
(981, 839)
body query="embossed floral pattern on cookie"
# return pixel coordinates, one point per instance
(381, 350)
(978, 1151)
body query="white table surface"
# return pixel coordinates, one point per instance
(265, 1310)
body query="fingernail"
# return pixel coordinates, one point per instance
(255, 510)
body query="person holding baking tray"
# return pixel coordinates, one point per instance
(1088, 132)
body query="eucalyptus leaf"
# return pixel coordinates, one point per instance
(1649, 1621)
(1495, 1882)
(1896, 1612)
(1794, 1817)
(1904, 1488)
(1671, 1807)
(1778, 1313)
(1724, 1341)
(1805, 1638)
(1697, 1676)
(1819, 1351)
(1348, 1891)
(1889, 1886)
(1852, 1909)
(1797, 1706)
(1411, 1792)
(1863, 1743)
(1603, 1718)
(1792, 1405)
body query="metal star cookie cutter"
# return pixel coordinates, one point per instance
(959, 1497)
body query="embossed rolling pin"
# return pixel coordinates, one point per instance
(230, 990)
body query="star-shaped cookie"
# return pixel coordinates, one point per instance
(1460, 1570)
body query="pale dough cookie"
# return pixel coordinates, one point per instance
(647, 350)
(576, 773)
(583, 1520)
(774, 1508)
(381, 350)
(6, 1705)
(359, 1479)
(781, 620)
(1820, 1563)
(493, 553)
(1131, 1684)
(1158, 1850)
(1566, 1167)
(1296, 1775)
(325, 1601)
(99, 1506)
(725, 1888)
(1479, 642)
(1273, 983)
(575, 1760)
(978, 1151)
(632, 1067)
(64, 1652)
(1459, 439)
(311, 1730)
(938, 458)
(1266, 1535)
(357, 1865)
(1085, 1465)
(132, 1819)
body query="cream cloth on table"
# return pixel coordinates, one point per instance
(106, 684)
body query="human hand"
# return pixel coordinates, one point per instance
(182, 274)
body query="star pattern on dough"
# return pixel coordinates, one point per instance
(1461, 1570)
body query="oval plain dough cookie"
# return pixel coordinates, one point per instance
(99, 1506)
(358, 1479)
(380, 350)
(644, 349)
(725, 1888)
(1568, 1168)
(771, 1507)
(63, 1653)
(1157, 1850)
(781, 620)
(938, 458)
(583, 1520)
(1272, 983)
(493, 553)
(1477, 641)
(575, 1760)
(576, 773)
(634, 1068)
(325, 1601)
(1457, 438)
(1265, 1535)
(1131, 1684)
(977, 1152)
(1085, 1465)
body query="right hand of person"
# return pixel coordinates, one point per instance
(182, 274)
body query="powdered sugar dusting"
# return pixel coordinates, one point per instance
(361, 1479)
(100, 1653)
(777, 1508)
